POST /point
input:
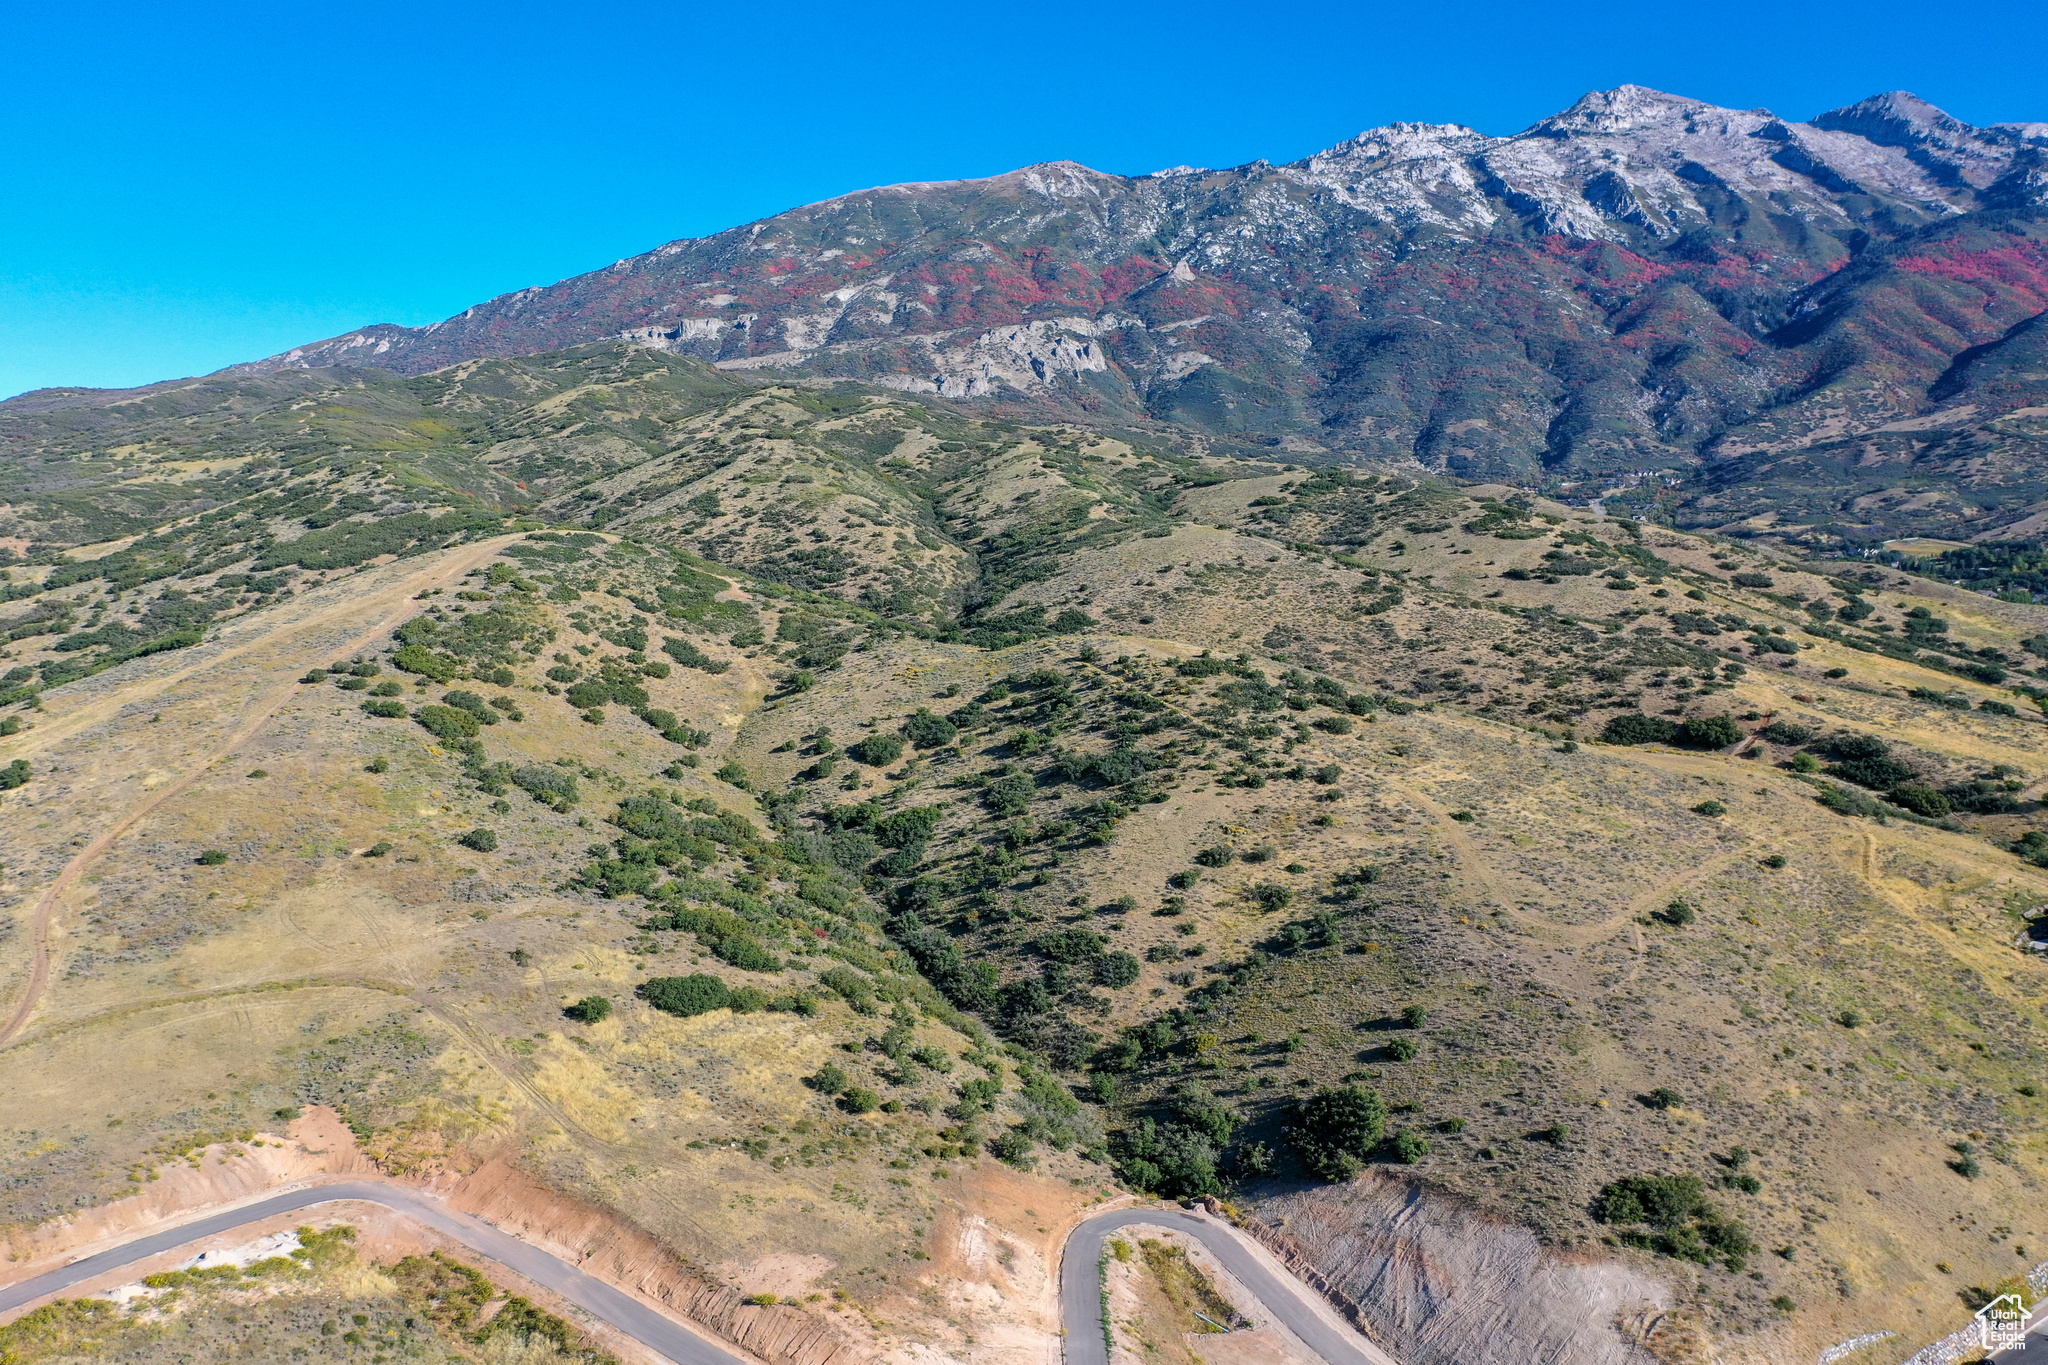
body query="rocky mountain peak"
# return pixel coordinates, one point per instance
(1632, 283)
(1957, 154)
(1621, 111)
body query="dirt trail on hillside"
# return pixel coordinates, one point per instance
(382, 606)
(1474, 860)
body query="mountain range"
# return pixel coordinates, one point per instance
(1830, 328)
(801, 763)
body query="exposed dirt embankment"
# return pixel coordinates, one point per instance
(1443, 1284)
(781, 1334)
(316, 1146)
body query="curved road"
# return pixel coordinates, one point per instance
(652, 1329)
(1281, 1294)
(1080, 1285)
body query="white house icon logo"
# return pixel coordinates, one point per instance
(2002, 1324)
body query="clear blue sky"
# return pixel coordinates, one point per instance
(186, 186)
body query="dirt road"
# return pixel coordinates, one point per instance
(382, 612)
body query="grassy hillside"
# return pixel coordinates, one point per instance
(1046, 811)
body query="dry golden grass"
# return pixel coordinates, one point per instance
(185, 997)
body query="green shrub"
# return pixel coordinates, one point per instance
(747, 954)
(1709, 732)
(447, 722)
(901, 829)
(591, 1009)
(1074, 945)
(480, 839)
(1271, 898)
(1636, 728)
(379, 849)
(1216, 855)
(1414, 1016)
(1663, 1097)
(1116, 970)
(1981, 797)
(1878, 774)
(1849, 746)
(748, 1000)
(426, 663)
(213, 857)
(1402, 1049)
(385, 710)
(15, 774)
(1710, 807)
(1845, 800)
(555, 786)
(1921, 800)
(1785, 732)
(1184, 879)
(1678, 914)
(928, 730)
(685, 995)
(1410, 1146)
(829, 1080)
(858, 1099)
(877, 751)
(1007, 795)
(589, 693)
(475, 706)
(849, 985)
(689, 656)
(1335, 1130)
(1172, 1159)
(733, 775)
(1685, 1225)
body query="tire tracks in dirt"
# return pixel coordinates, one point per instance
(390, 600)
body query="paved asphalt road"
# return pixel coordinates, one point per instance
(622, 1311)
(1080, 1286)
(1081, 1289)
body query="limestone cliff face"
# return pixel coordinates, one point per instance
(1441, 1284)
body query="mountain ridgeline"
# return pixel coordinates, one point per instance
(1751, 307)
